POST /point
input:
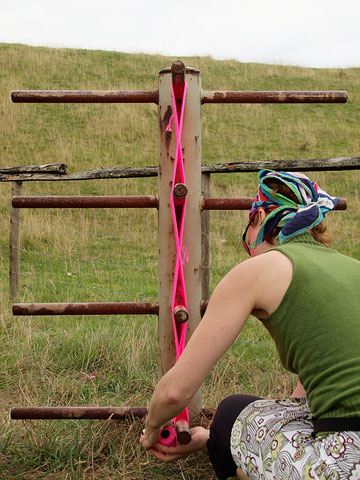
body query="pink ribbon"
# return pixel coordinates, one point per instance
(178, 215)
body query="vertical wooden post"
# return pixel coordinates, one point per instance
(167, 248)
(14, 269)
(191, 144)
(205, 240)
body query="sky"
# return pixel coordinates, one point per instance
(310, 33)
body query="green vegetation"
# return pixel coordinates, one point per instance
(110, 255)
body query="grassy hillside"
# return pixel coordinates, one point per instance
(110, 255)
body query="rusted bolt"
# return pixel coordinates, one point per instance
(178, 67)
(183, 433)
(181, 315)
(180, 191)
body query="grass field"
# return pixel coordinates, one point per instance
(110, 255)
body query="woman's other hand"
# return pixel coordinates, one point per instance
(199, 437)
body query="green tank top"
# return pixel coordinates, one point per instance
(316, 328)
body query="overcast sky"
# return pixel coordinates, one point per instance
(313, 33)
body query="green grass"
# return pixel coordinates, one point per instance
(111, 255)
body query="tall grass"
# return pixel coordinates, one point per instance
(110, 255)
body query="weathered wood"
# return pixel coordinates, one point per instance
(291, 165)
(53, 168)
(102, 173)
(14, 267)
(205, 239)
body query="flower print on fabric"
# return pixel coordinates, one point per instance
(355, 472)
(335, 446)
(272, 440)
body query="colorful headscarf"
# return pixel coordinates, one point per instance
(292, 218)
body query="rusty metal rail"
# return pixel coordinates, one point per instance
(60, 413)
(132, 202)
(244, 203)
(152, 96)
(85, 96)
(78, 413)
(226, 203)
(85, 202)
(274, 97)
(95, 308)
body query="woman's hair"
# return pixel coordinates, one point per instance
(319, 232)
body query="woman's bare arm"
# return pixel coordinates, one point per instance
(255, 283)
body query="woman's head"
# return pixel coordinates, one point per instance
(292, 205)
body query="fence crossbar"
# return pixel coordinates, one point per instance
(209, 203)
(132, 202)
(85, 96)
(29, 173)
(90, 413)
(326, 96)
(87, 308)
(152, 96)
(137, 201)
(60, 413)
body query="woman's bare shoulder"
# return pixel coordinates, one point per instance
(267, 262)
(269, 276)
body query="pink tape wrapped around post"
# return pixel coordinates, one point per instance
(179, 302)
(178, 214)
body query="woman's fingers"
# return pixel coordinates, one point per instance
(166, 457)
(199, 437)
(149, 438)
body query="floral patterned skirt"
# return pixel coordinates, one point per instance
(272, 439)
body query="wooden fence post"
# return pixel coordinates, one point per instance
(14, 268)
(191, 145)
(205, 240)
(167, 248)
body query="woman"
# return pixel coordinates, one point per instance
(306, 295)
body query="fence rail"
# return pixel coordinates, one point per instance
(94, 413)
(85, 96)
(152, 96)
(274, 97)
(85, 202)
(87, 308)
(33, 172)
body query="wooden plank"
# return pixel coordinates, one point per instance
(291, 165)
(53, 168)
(102, 173)
(205, 240)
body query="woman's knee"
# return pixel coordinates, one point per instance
(232, 405)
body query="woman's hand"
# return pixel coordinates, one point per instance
(150, 437)
(199, 437)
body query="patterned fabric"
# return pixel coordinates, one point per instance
(272, 439)
(293, 218)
